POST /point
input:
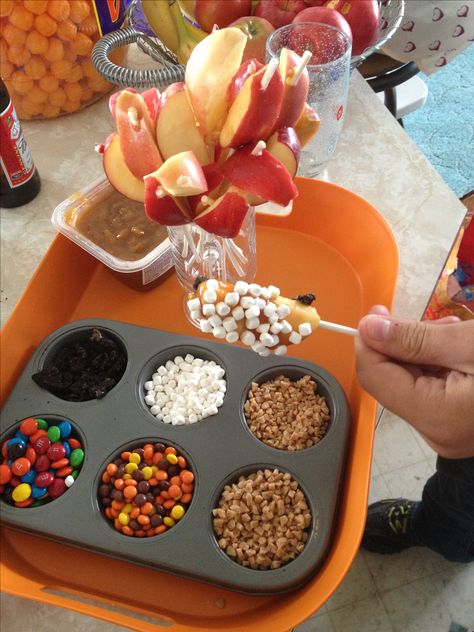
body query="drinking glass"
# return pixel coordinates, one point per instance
(329, 72)
(198, 253)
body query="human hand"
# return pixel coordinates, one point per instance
(423, 372)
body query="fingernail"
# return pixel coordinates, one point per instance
(377, 327)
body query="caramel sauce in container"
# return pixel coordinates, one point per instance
(117, 232)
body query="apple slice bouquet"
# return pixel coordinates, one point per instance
(206, 150)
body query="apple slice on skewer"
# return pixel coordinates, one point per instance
(176, 128)
(225, 215)
(136, 134)
(254, 112)
(216, 186)
(117, 172)
(296, 84)
(163, 208)
(284, 144)
(181, 175)
(209, 71)
(254, 170)
(307, 125)
(151, 97)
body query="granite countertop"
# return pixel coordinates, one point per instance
(375, 159)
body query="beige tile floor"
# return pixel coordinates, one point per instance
(415, 591)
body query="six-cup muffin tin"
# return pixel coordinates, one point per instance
(218, 449)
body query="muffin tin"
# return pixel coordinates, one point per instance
(218, 449)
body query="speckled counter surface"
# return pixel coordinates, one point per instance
(375, 158)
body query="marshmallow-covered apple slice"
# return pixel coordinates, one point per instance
(136, 134)
(209, 71)
(254, 315)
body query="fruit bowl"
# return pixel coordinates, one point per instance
(171, 71)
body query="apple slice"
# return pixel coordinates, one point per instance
(176, 128)
(307, 125)
(151, 97)
(181, 175)
(163, 208)
(256, 171)
(296, 84)
(209, 71)
(247, 68)
(284, 144)
(117, 172)
(215, 183)
(225, 215)
(136, 133)
(253, 114)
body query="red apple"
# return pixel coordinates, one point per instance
(363, 17)
(163, 208)
(254, 111)
(323, 47)
(261, 174)
(117, 172)
(279, 12)
(224, 217)
(284, 144)
(176, 128)
(221, 12)
(136, 134)
(257, 30)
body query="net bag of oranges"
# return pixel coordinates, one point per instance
(46, 50)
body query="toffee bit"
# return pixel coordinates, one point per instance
(306, 299)
(198, 281)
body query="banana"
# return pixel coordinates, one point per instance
(162, 23)
(188, 34)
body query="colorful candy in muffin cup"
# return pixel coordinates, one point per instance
(40, 461)
(146, 490)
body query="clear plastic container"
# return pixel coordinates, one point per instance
(124, 239)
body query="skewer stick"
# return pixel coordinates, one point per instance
(269, 72)
(299, 69)
(342, 329)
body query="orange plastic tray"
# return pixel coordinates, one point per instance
(333, 244)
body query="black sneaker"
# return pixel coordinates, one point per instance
(388, 526)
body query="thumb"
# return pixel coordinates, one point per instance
(449, 345)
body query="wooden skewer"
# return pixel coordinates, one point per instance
(342, 329)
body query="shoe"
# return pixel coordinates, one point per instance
(388, 526)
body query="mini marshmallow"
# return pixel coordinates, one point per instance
(241, 287)
(150, 400)
(212, 284)
(283, 311)
(209, 309)
(264, 353)
(193, 304)
(281, 350)
(266, 294)
(255, 289)
(269, 309)
(215, 320)
(263, 328)
(252, 323)
(273, 319)
(294, 338)
(209, 296)
(266, 340)
(229, 324)
(276, 328)
(238, 312)
(222, 309)
(260, 303)
(219, 332)
(257, 347)
(232, 298)
(248, 338)
(286, 328)
(252, 312)
(305, 329)
(274, 291)
(247, 301)
(195, 314)
(232, 336)
(205, 326)
(149, 386)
